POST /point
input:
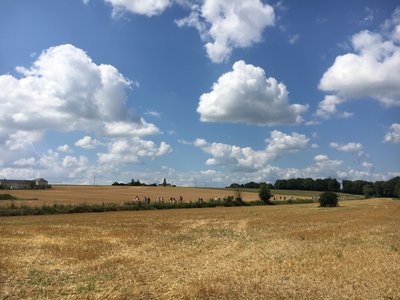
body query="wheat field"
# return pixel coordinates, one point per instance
(261, 252)
(70, 194)
(65, 194)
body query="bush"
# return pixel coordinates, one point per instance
(7, 197)
(264, 193)
(328, 199)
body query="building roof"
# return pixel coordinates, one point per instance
(40, 179)
(23, 180)
(15, 180)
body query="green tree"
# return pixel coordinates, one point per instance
(264, 193)
(328, 199)
(397, 190)
(238, 195)
(368, 190)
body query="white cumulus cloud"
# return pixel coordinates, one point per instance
(64, 148)
(327, 108)
(372, 70)
(248, 159)
(132, 150)
(87, 142)
(229, 24)
(222, 24)
(393, 136)
(142, 7)
(349, 147)
(246, 95)
(64, 90)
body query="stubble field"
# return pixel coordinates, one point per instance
(261, 252)
(64, 194)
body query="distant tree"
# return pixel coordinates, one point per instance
(235, 185)
(238, 195)
(368, 191)
(378, 188)
(389, 188)
(251, 185)
(328, 199)
(308, 184)
(333, 184)
(280, 184)
(165, 182)
(397, 190)
(264, 193)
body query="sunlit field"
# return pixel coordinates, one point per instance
(64, 194)
(261, 252)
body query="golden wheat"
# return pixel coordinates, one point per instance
(264, 252)
(64, 194)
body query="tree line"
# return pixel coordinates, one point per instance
(134, 182)
(389, 188)
(306, 184)
(249, 185)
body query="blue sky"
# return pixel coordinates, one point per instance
(212, 91)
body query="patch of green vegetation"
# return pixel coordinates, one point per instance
(7, 197)
(88, 286)
(294, 201)
(24, 210)
(184, 238)
(39, 278)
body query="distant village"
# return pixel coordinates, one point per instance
(34, 184)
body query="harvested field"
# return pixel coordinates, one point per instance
(64, 194)
(262, 252)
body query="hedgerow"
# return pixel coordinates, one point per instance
(24, 210)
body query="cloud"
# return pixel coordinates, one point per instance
(249, 160)
(349, 147)
(142, 7)
(369, 16)
(327, 108)
(52, 166)
(372, 71)
(315, 146)
(153, 113)
(280, 142)
(25, 162)
(245, 95)
(228, 24)
(64, 90)
(64, 148)
(321, 167)
(293, 39)
(223, 25)
(367, 165)
(393, 136)
(132, 151)
(87, 142)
